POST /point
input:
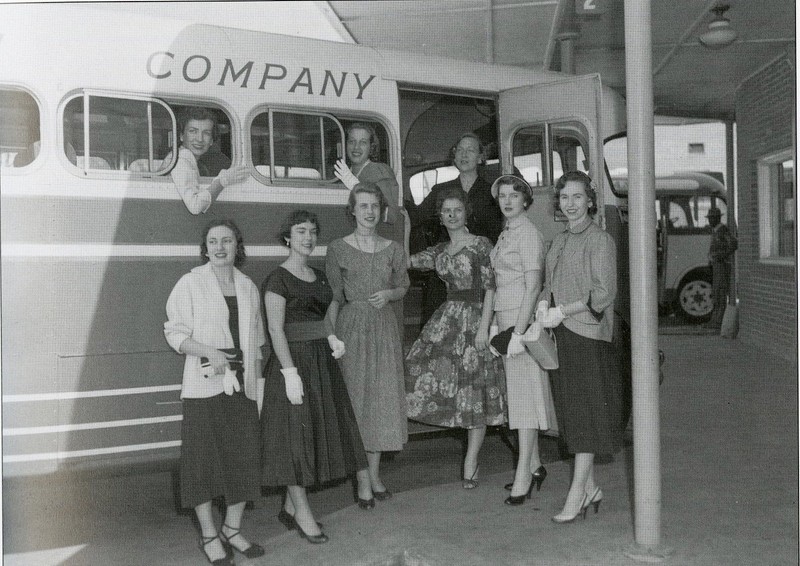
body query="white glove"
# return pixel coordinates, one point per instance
(229, 382)
(343, 173)
(515, 346)
(493, 331)
(294, 386)
(336, 345)
(541, 309)
(233, 175)
(553, 317)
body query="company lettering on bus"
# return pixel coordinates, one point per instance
(197, 68)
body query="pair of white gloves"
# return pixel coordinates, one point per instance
(549, 317)
(292, 381)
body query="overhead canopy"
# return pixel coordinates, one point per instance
(690, 79)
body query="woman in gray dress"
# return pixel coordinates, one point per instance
(368, 272)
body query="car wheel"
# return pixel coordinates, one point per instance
(695, 302)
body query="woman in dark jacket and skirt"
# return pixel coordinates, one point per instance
(577, 301)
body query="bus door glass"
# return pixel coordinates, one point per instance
(546, 130)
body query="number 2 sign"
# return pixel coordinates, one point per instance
(590, 7)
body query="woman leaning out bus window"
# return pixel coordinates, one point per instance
(214, 318)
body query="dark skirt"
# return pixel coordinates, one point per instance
(317, 441)
(587, 393)
(219, 450)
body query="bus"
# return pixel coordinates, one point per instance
(94, 234)
(683, 200)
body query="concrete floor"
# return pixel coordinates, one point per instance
(729, 493)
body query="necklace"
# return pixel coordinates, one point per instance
(371, 259)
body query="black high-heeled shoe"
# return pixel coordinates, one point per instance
(520, 499)
(288, 520)
(321, 538)
(538, 478)
(252, 551)
(382, 495)
(581, 511)
(366, 504)
(224, 561)
(595, 500)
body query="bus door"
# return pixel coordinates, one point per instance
(546, 130)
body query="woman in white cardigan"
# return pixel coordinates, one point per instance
(215, 320)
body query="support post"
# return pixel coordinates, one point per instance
(644, 298)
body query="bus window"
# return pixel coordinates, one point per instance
(19, 128)
(218, 156)
(568, 153)
(529, 146)
(124, 134)
(306, 146)
(421, 183)
(677, 215)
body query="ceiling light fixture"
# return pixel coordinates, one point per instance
(719, 33)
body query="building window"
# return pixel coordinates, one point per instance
(776, 204)
(697, 148)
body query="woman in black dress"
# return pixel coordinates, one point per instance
(214, 318)
(309, 432)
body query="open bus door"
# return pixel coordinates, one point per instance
(547, 129)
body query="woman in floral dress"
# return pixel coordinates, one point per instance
(452, 378)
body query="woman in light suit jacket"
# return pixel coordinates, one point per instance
(215, 320)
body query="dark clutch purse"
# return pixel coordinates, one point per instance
(501, 340)
(236, 364)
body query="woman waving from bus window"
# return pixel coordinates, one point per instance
(363, 147)
(198, 128)
(214, 319)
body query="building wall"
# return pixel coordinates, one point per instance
(767, 292)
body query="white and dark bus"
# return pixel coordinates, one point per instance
(94, 234)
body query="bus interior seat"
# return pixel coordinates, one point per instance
(95, 162)
(304, 173)
(143, 165)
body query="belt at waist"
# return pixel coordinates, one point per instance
(305, 331)
(468, 295)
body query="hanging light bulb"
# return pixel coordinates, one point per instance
(719, 33)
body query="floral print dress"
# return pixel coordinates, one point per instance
(449, 382)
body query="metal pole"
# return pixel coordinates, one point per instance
(730, 191)
(567, 49)
(644, 313)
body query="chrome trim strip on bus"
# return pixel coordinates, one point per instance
(130, 250)
(21, 431)
(34, 397)
(63, 455)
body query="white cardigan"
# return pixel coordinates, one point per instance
(197, 309)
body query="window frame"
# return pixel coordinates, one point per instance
(88, 172)
(42, 121)
(573, 126)
(273, 180)
(768, 239)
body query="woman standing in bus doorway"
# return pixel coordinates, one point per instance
(452, 377)
(518, 260)
(484, 218)
(198, 128)
(214, 318)
(363, 148)
(367, 273)
(309, 432)
(578, 302)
